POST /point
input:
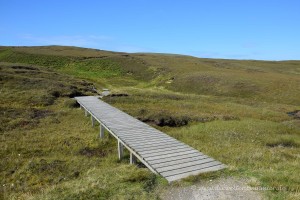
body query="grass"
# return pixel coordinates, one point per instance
(234, 111)
(254, 141)
(49, 151)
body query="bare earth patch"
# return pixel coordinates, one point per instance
(221, 189)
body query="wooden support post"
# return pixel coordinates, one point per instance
(101, 131)
(93, 120)
(86, 113)
(132, 158)
(120, 150)
(81, 107)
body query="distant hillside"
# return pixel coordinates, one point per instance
(266, 80)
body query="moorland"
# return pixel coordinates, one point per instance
(244, 113)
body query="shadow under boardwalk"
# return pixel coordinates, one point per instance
(158, 151)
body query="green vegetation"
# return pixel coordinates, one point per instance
(234, 111)
(49, 150)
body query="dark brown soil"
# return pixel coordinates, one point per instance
(25, 67)
(295, 114)
(166, 120)
(118, 95)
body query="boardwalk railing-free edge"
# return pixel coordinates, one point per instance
(158, 151)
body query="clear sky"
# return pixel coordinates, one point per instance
(239, 29)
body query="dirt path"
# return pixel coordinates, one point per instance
(220, 189)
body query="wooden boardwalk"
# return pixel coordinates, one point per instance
(159, 152)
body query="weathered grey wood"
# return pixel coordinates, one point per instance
(190, 168)
(158, 151)
(120, 150)
(166, 152)
(153, 143)
(132, 158)
(142, 137)
(140, 147)
(140, 132)
(93, 120)
(137, 139)
(157, 157)
(157, 147)
(179, 161)
(184, 165)
(195, 172)
(101, 131)
(86, 113)
(135, 134)
(163, 160)
(162, 149)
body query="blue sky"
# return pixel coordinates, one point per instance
(244, 29)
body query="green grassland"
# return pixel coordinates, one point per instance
(232, 110)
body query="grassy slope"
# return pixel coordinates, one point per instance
(49, 150)
(243, 103)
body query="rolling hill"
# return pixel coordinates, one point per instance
(234, 110)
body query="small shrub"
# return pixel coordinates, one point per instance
(55, 93)
(75, 93)
(137, 176)
(166, 120)
(71, 103)
(118, 95)
(150, 183)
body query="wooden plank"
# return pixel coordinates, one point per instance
(163, 160)
(129, 125)
(162, 149)
(169, 155)
(133, 131)
(195, 172)
(142, 137)
(179, 161)
(137, 138)
(184, 165)
(152, 144)
(166, 146)
(190, 168)
(142, 147)
(146, 142)
(123, 125)
(166, 152)
(140, 132)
